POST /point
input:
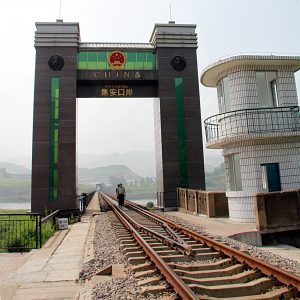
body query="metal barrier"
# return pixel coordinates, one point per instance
(84, 200)
(48, 227)
(24, 232)
(20, 232)
(252, 121)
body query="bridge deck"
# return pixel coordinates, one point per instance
(51, 272)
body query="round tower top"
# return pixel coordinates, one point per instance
(211, 74)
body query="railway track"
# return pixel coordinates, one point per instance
(166, 257)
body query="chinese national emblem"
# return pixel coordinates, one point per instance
(117, 60)
(56, 62)
(178, 63)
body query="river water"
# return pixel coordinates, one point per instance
(10, 206)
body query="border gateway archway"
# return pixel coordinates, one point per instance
(66, 69)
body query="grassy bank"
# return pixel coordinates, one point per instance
(13, 211)
(20, 233)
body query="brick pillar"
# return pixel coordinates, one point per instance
(178, 132)
(54, 120)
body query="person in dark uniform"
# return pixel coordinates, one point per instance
(117, 190)
(121, 193)
(117, 196)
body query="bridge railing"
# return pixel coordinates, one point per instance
(20, 232)
(48, 227)
(84, 200)
(23, 232)
(253, 122)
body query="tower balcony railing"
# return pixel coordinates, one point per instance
(252, 123)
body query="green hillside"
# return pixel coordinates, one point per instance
(110, 171)
(17, 187)
(215, 180)
(15, 190)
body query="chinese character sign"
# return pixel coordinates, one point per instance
(116, 91)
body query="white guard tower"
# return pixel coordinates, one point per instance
(258, 127)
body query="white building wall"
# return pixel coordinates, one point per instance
(285, 152)
(286, 85)
(243, 86)
(243, 89)
(282, 132)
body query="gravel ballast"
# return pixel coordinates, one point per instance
(107, 251)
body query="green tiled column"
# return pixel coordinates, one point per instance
(183, 165)
(53, 151)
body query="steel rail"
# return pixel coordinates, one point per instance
(103, 204)
(171, 277)
(153, 218)
(161, 223)
(183, 248)
(281, 275)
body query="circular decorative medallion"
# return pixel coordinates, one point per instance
(178, 63)
(117, 60)
(56, 62)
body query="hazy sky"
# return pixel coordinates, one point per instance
(224, 27)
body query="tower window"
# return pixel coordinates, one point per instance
(235, 178)
(274, 93)
(267, 89)
(225, 105)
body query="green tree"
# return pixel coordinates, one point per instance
(215, 180)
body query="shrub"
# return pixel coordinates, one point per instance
(22, 235)
(149, 205)
(73, 219)
(16, 245)
(48, 229)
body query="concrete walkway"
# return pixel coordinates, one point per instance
(245, 232)
(50, 272)
(285, 251)
(217, 226)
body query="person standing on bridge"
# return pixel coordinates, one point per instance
(117, 193)
(117, 190)
(121, 193)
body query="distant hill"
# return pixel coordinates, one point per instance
(140, 162)
(13, 168)
(215, 180)
(212, 159)
(15, 180)
(102, 173)
(21, 160)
